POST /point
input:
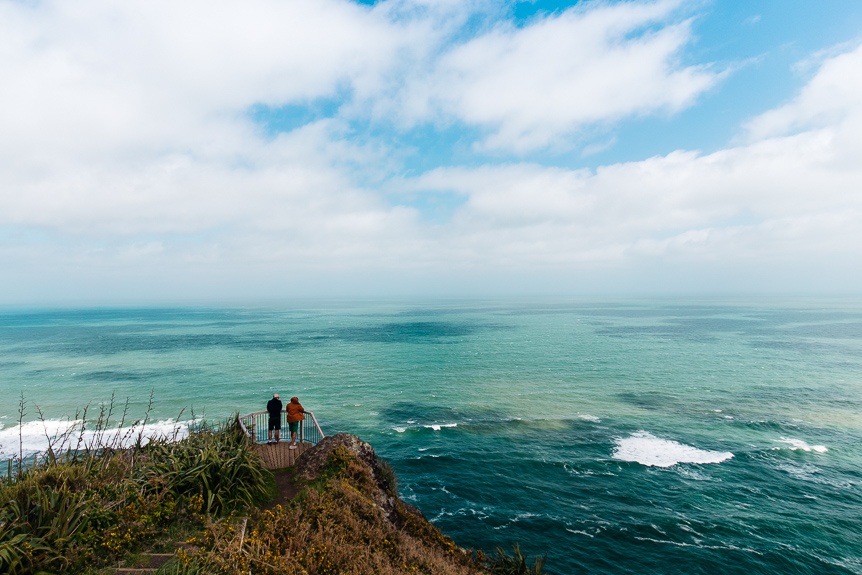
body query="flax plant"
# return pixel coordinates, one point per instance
(98, 492)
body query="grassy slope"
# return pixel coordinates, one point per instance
(208, 494)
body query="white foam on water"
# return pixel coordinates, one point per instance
(438, 426)
(399, 429)
(33, 437)
(694, 474)
(588, 417)
(807, 472)
(813, 474)
(645, 448)
(699, 544)
(796, 444)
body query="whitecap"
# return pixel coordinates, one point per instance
(34, 437)
(588, 417)
(399, 429)
(799, 444)
(438, 426)
(645, 448)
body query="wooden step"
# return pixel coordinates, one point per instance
(147, 563)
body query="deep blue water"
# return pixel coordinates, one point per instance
(615, 437)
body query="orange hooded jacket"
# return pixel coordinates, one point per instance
(294, 411)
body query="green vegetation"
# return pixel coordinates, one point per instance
(517, 564)
(84, 508)
(346, 519)
(333, 526)
(201, 498)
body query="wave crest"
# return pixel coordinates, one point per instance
(34, 437)
(645, 448)
(798, 444)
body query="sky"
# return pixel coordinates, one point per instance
(222, 150)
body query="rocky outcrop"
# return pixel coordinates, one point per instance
(311, 463)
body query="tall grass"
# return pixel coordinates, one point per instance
(100, 490)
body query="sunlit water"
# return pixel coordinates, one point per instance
(624, 437)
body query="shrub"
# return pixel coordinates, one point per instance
(76, 509)
(516, 564)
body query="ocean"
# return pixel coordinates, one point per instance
(618, 436)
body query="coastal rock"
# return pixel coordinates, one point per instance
(310, 464)
(361, 504)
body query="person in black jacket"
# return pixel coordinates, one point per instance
(273, 407)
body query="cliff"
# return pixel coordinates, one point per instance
(207, 502)
(345, 518)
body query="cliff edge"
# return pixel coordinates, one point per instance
(205, 505)
(345, 518)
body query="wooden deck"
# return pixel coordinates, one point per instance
(280, 455)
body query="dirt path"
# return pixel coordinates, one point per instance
(285, 486)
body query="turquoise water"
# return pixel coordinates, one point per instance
(615, 437)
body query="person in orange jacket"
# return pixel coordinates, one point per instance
(294, 419)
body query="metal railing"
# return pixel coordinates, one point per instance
(256, 427)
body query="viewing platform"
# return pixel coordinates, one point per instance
(279, 455)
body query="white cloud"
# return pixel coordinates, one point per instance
(130, 118)
(535, 86)
(789, 198)
(97, 82)
(127, 157)
(830, 99)
(776, 199)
